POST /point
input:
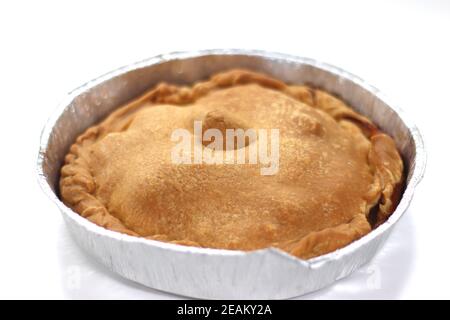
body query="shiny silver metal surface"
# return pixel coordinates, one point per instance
(212, 273)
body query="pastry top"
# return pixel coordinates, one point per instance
(338, 176)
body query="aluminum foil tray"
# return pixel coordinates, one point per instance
(212, 273)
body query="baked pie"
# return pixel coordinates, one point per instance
(338, 175)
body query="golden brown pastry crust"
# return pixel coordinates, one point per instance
(337, 170)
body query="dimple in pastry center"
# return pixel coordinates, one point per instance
(227, 146)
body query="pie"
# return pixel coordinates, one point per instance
(338, 177)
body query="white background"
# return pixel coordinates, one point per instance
(47, 48)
